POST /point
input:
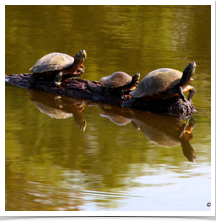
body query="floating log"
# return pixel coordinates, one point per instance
(92, 90)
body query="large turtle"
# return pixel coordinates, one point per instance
(120, 82)
(57, 66)
(165, 83)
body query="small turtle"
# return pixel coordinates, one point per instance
(120, 82)
(165, 83)
(57, 66)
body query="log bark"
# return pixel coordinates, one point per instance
(92, 90)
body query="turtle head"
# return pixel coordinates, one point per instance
(135, 80)
(188, 73)
(80, 56)
(136, 77)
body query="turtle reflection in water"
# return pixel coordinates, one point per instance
(168, 132)
(162, 130)
(118, 115)
(59, 107)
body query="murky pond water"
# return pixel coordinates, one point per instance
(74, 154)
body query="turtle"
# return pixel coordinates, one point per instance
(165, 83)
(120, 82)
(58, 66)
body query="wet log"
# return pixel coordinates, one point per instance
(92, 90)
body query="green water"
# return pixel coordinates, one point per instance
(76, 155)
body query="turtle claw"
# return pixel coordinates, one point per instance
(124, 97)
(57, 84)
(190, 101)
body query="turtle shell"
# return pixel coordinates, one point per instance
(52, 62)
(117, 79)
(156, 82)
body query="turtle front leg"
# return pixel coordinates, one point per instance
(82, 66)
(181, 94)
(58, 78)
(191, 93)
(123, 96)
(81, 70)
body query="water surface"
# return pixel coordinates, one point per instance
(76, 155)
